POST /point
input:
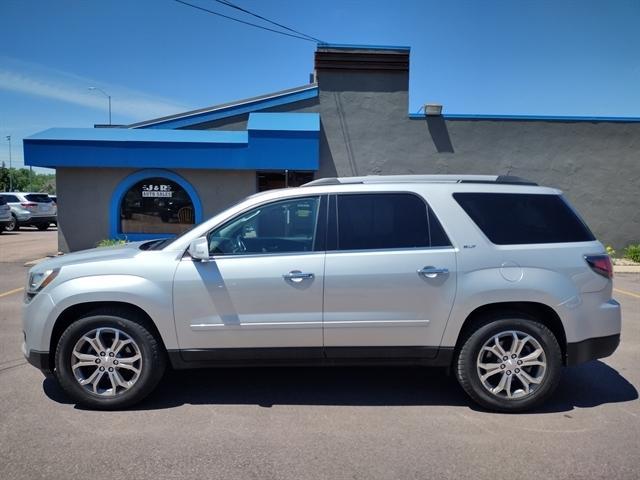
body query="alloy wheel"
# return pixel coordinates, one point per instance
(106, 362)
(511, 364)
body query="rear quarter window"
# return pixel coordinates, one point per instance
(518, 219)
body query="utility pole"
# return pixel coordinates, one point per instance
(8, 138)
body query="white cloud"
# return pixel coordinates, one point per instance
(31, 79)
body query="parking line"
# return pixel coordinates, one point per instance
(11, 292)
(624, 292)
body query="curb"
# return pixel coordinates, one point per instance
(626, 269)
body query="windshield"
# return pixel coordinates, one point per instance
(163, 242)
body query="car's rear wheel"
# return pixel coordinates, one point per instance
(42, 226)
(13, 225)
(109, 360)
(509, 364)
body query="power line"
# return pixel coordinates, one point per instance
(237, 7)
(243, 21)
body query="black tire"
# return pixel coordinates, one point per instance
(468, 374)
(13, 227)
(152, 365)
(42, 226)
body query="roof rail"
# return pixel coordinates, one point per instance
(501, 179)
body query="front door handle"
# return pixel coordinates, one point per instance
(297, 276)
(433, 272)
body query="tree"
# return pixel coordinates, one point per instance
(24, 180)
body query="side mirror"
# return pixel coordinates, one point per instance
(199, 249)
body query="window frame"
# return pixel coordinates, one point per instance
(320, 228)
(333, 214)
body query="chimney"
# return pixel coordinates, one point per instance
(361, 68)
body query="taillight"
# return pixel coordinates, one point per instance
(29, 205)
(601, 264)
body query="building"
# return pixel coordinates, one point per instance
(156, 178)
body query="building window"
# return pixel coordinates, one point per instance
(156, 205)
(271, 180)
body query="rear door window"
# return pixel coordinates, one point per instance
(518, 219)
(386, 221)
(11, 198)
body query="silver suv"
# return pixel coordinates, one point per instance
(30, 209)
(494, 278)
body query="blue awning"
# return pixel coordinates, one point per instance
(272, 141)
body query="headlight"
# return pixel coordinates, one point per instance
(39, 280)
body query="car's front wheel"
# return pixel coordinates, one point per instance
(109, 360)
(509, 364)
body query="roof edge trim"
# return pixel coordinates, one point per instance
(194, 117)
(347, 46)
(541, 118)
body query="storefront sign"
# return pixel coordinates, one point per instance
(156, 191)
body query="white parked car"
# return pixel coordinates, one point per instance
(495, 278)
(30, 209)
(5, 214)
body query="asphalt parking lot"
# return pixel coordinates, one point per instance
(298, 423)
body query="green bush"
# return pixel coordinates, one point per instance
(110, 242)
(632, 252)
(610, 251)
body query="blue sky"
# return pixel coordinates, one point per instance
(157, 57)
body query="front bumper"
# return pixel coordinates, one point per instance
(591, 349)
(40, 360)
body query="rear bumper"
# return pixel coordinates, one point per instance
(34, 220)
(591, 349)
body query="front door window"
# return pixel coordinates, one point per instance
(287, 226)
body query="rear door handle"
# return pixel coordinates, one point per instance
(297, 276)
(433, 272)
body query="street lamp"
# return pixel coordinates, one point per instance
(108, 96)
(8, 138)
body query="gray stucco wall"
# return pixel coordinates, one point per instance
(85, 196)
(366, 130)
